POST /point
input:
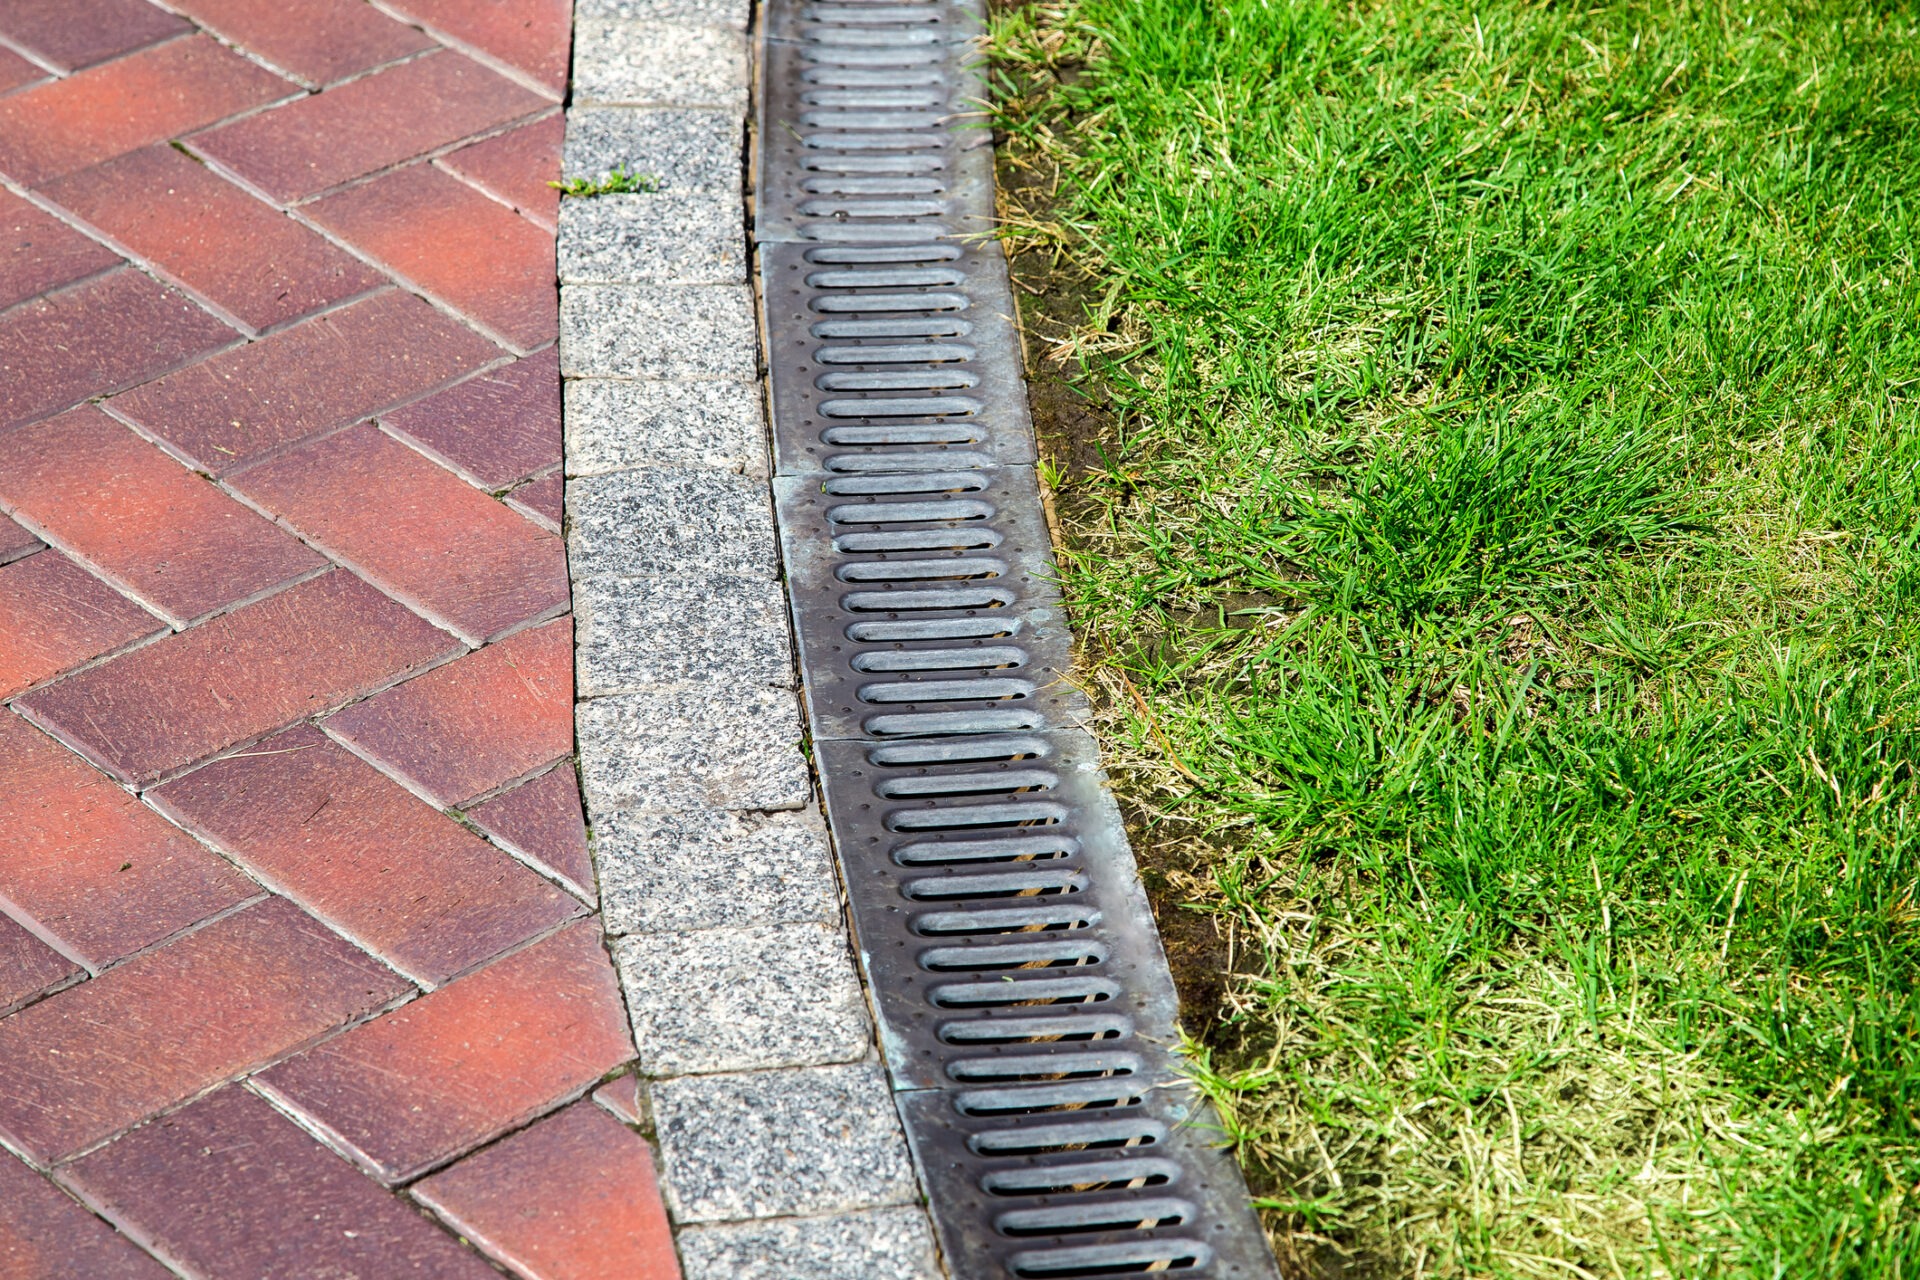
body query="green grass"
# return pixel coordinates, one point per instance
(1509, 513)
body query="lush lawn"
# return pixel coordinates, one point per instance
(1505, 501)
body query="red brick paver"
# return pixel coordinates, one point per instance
(93, 867)
(38, 252)
(474, 724)
(255, 262)
(230, 1187)
(93, 488)
(246, 673)
(541, 821)
(112, 109)
(54, 615)
(46, 1235)
(28, 967)
(385, 119)
(331, 832)
(296, 907)
(325, 373)
(319, 41)
(417, 529)
(225, 999)
(100, 335)
(484, 1053)
(499, 428)
(517, 167)
(78, 33)
(572, 1197)
(459, 246)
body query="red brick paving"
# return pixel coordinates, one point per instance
(476, 723)
(221, 1001)
(78, 33)
(15, 541)
(365, 125)
(319, 41)
(409, 884)
(468, 1062)
(530, 35)
(340, 550)
(54, 616)
(571, 1197)
(99, 336)
(517, 167)
(205, 232)
(418, 530)
(621, 1096)
(109, 110)
(457, 245)
(230, 1187)
(98, 491)
(46, 1235)
(28, 967)
(16, 71)
(301, 652)
(499, 428)
(316, 376)
(38, 252)
(545, 498)
(541, 821)
(97, 870)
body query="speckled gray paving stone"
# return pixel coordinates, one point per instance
(733, 13)
(658, 238)
(615, 426)
(703, 869)
(639, 633)
(782, 995)
(657, 331)
(880, 1244)
(670, 520)
(810, 1140)
(659, 63)
(697, 747)
(681, 148)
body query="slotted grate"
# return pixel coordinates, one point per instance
(1024, 1003)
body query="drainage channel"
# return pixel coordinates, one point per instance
(1025, 1008)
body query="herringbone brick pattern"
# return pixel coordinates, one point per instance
(300, 963)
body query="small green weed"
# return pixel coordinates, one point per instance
(617, 182)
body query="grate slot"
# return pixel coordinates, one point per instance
(1082, 1135)
(921, 570)
(1112, 1259)
(1028, 1031)
(1046, 1099)
(1126, 1174)
(986, 957)
(994, 886)
(985, 658)
(1003, 849)
(979, 923)
(956, 784)
(1022, 992)
(1148, 1213)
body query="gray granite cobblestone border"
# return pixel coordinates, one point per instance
(781, 1152)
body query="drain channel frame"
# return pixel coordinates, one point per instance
(1024, 1004)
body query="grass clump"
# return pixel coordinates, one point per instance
(1504, 510)
(617, 182)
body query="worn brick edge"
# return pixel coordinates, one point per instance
(782, 1155)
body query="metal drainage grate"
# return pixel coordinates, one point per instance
(1024, 1004)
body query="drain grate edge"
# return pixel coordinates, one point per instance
(1025, 1009)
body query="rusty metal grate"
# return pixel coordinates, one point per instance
(1026, 1011)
